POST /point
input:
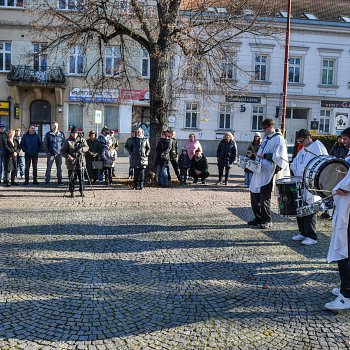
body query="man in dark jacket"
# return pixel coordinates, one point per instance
(163, 150)
(3, 138)
(31, 145)
(199, 167)
(73, 150)
(53, 145)
(174, 152)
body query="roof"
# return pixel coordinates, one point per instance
(324, 10)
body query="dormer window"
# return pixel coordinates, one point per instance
(310, 15)
(284, 14)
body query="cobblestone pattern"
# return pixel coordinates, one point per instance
(159, 269)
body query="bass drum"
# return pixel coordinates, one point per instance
(323, 173)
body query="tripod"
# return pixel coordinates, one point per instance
(79, 171)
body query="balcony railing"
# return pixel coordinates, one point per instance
(36, 75)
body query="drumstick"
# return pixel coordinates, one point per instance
(316, 155)
(341, 172)
(321, 190)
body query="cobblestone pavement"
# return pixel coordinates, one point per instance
(160, 268)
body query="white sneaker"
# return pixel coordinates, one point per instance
(298, 237)
(340, 303)
(336, 291)
(308, 241)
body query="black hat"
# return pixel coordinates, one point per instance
(92, 132)
(73, 129)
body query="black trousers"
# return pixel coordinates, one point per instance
(108, 175)
(344, 271)
(307, 226)
(221, 173)
(183, 174)
(139, 177)
(34, 160)
(261, 203)
(73, 177)
(203, 175)
(176, 169)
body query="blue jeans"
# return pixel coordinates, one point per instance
(2, 167)
(58, 160)
(162, 174)
(20, 166)
(247, 178)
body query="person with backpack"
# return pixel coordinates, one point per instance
(273, 156)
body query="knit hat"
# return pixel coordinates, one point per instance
(257, 134)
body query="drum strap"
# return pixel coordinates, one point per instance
(267, 139)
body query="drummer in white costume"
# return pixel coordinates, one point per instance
(272, 153)
(307, 224)
(340, 241)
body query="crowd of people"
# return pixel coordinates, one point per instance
(97, 156)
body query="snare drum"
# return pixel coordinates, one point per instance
(242, 161)
(323, 173)
(253, 166)
(289, 195)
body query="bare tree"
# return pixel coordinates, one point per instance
(200, 33)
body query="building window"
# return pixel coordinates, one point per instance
(192, 115)
(76, 60)
(225, 116)
(39, 57)
(75, 116)
(328, 70)
(294, 70)
(145, 64)
(227, 69)
(260, 67)
(257, 118)
(11, 3)
(112, 117)
(5, 56)
(325, 119)
(71, 5)
(112, 61)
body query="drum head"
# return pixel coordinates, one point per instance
(330, 175)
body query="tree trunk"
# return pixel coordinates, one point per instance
(159, 99)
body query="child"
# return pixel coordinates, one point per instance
(108, 157)
(184, 164)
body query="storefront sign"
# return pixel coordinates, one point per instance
(4, 108)
(243, 99)
(17, 112)
(135, 95)
(314, 125)
(335, 104)
(90, 95)
(341, 121)
(98, 117)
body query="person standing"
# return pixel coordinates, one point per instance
(115, 145)
(31, 145)
(20, 155)
(163, 150)
(103, 138)
(108, 156)
(251, 154)
(192, 145)
(11, 147)
(226, 155)
(128, 144)
(73, 150)
(339, 246)
(184, 165)
(199, 167)
(338, 150)
(273, 156)
(174, 153)
(3, 137)
(307, 224)
(53, 143)
(92, 155)
(139, 149)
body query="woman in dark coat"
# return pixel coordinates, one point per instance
(92, 154)
(339, 150)
(139, 149)
(251, 153)
(11, 148)
(226, 154)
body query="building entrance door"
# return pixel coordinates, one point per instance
(296, 119)
(40, 117)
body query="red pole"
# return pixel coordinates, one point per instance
(285, 75)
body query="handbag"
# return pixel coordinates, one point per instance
(97, 164)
